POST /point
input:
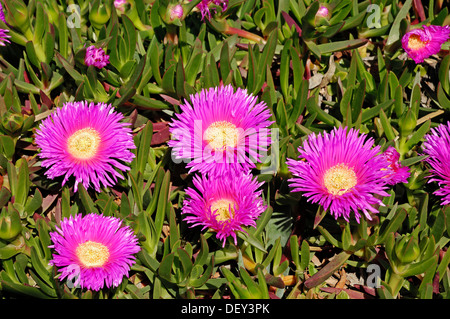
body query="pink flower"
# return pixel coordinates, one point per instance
(86, 141)
(96, 57)
(95, 250)
(420, 44)
(396, 172)
(224, 204)
(437, 147)
(341, 171)
(222, 130)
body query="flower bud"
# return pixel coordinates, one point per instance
(120, 5)
(407, 249)
(17, 16)
(12, 122)
(99, 14)
(322, 15)
(10, 225)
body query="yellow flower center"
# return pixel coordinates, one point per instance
(83, 144)
(224, 208)
(415, 42)
(92, 254)
(221, 134)
(339, 179)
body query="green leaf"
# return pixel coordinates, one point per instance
(369, 113)
(329, 237)
(70, 69)
(202, 256)
(162, 207)
(394, 34)
(129, 37)
(313, 107)
(39, 267)
(145, 139)
(165, 268)
(180, 80)
(305, 255)
(86, 200)
(284, 68)
(392, 225)
(8, 146)
(299, 103)
(250, 238)
(388, 130)
(63, 36)
(186, 262)
(5, 195)
(22, 290)
(418, 268)
(443, 100)
(33, 203)
(444, 74)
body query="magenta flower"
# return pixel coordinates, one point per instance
(341, 171)
(420, 44)
(437, 147)
(176, 12)
(86, 141)
(222, 130)
(120, 4)
(323, 12)
(2, 14)
(95, 250)
(4, 37)
(96, 57)
(204, 7)
(397, 172)
(224, 204)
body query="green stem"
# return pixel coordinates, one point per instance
(395, 283)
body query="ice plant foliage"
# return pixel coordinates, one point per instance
(437, 147)
(95, 250)
(396, 172)
(420, 44)
(222, 130)
(342, 171)
(87, 141)
(96, 57)
(223, 204)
